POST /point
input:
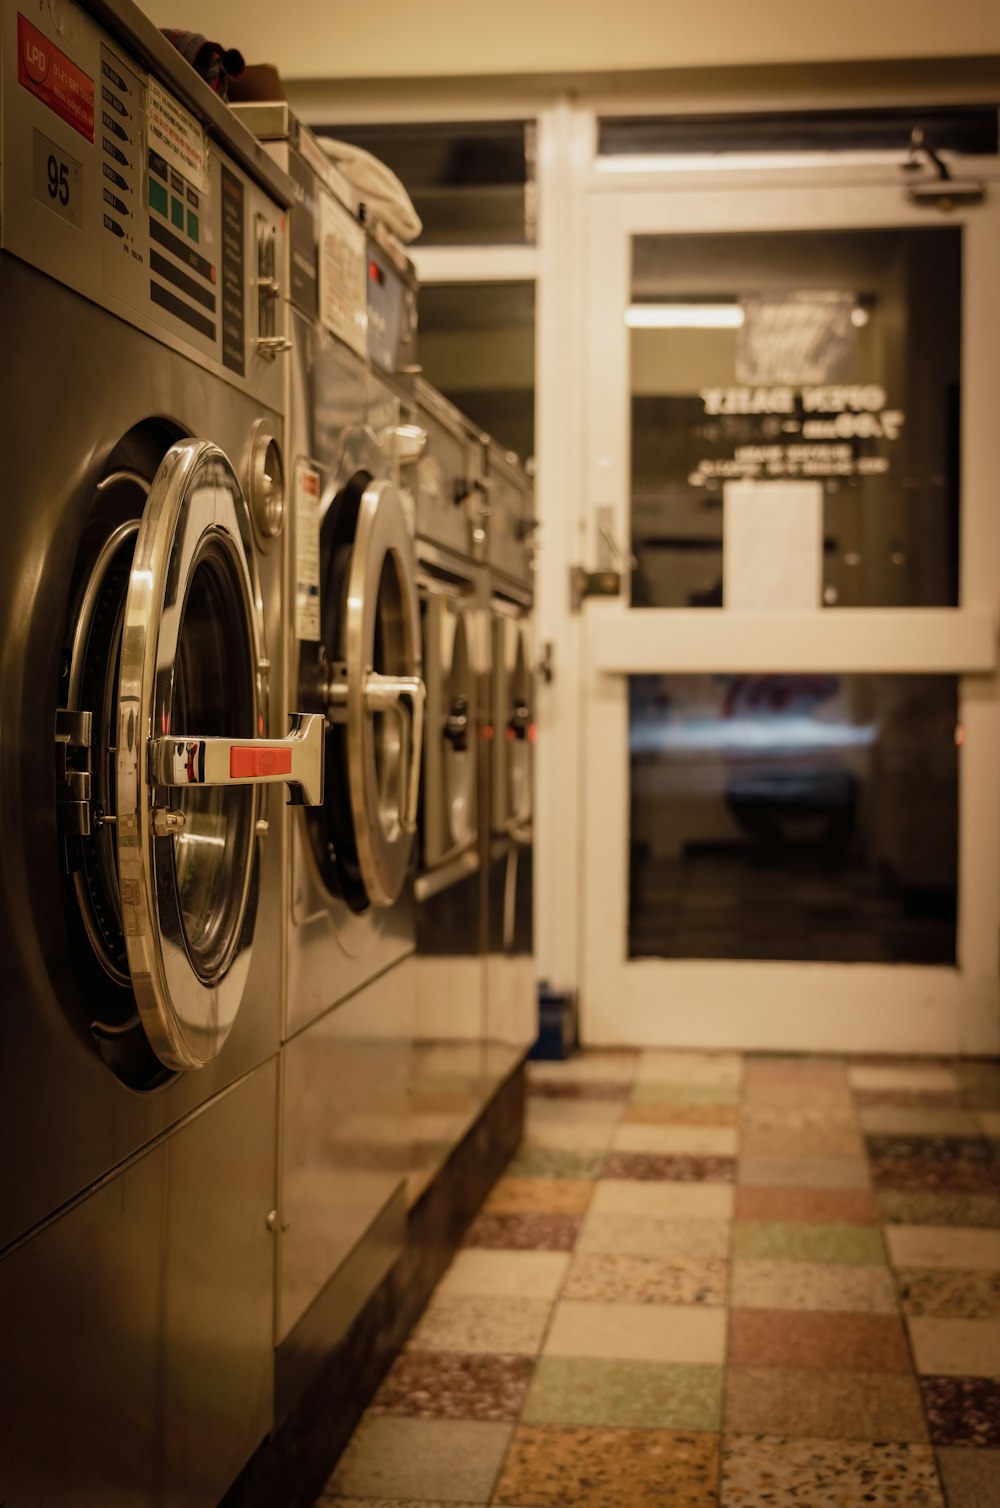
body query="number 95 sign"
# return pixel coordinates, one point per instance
(55, 178)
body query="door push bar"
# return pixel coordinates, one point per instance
(295, 761)
(405, 696)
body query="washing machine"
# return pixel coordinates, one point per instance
(512, 1023)
(449, 1078)
(354, 657)
(145, 764)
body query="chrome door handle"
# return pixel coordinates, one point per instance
(295, 761)
(392, 693)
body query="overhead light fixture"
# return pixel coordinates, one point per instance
(859, 316)
(684, 316)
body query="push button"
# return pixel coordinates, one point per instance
(157, 197)
(177, 213)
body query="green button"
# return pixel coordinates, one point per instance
(157, 197)
(177, 213)
(192, 226)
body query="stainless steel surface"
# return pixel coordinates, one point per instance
(178, 760)
(449, 480)
(512, 522)
(264, 484)
(136, 1362)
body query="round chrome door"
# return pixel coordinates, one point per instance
(190, 755)
(450, 758)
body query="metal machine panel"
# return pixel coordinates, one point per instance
(135, 1331)
(449, 478)
(512, 523)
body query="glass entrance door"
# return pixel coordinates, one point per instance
(793, 737)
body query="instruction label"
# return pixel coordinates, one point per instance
(176, 135)
(307, 559)
(343, 282)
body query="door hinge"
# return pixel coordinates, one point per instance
(584, 583)
(73, 735)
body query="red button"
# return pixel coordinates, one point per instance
(253, 763)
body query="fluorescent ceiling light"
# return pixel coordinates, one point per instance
(729, 162)
(684, 316)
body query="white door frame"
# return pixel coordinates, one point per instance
(772, 1005)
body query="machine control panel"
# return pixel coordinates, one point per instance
(392, 313)
(113, 187)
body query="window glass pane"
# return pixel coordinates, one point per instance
(794, 817)
(952, 128)
(477, 345)
(472, 183)
(829, 359)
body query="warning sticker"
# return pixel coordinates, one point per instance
(176, 135)
(307, 613)
(343, 282)
(51, 77)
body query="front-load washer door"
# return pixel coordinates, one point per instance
(451, 737)
(516, 730)
(374, 695)
(191, 756)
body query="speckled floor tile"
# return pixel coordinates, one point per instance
(680, 1169)
(557, 1196)
(828, 1405)
(533, 1230)
(902, 1076)
(843, 1206)
(809, 1141)
(696, 1141)
(685, 1333)
(453, 1385)
(646, 1280)
(658, 1066)
(651, 1395)
(929, 1175)
(764, 1116)
(839, 1342)
(955, 1347)
(812, 1285)
(943, 1246)
(653, 1236)
(609, 1468)
(971, 1477)
(805, 1172)
(909, 1099)
(913, 1148)
(663, 1113)
(444, 1460)
(491, 1274)
(681, 1201)
(794, 1241)
(577, 1089)
(950, 1295)
(962, 1410)
(938, 1207)
(468, 1322)
(546, 1162)
(684, 1094)
(786, 1473)
(897, 1120)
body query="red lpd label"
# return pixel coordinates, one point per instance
(251, 763)
(51, 77)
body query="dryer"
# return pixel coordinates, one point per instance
(354, 656)
(141, 877)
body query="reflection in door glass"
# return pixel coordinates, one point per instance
(794, 817)
(829, 360)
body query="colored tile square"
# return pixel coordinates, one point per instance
(667, 1113)
(587, 1068)
(684, 1094)
(624, 1278)
(491, 1274)
(450, 1385)
(663, 1067)
(956, 1347)
(914, 1148)
(640, 1394)
(832, 1286)
(837, 1342)
(943, 1246)
(903, 1076)
(695, 1141)
(557, 1196)
(679, 1169)
(608, 1468)
(931, 1175)
(807, 1142)
(683, 1333)
(938, 1207)
(805, 1172)
(971, 1477)
(825, 1405)
(461, 1322)
(839, 1206)
(787, 1473)
(791, 1241)
(562, 1136)
(898, 1120)
(543, 1110)
(653, 1236)
(531, 1231)
(950, 1294)
(452, 1461)
(962, 1410)
(546, 1162)
(676, 1201)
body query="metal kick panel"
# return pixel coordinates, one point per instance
(136, 1360)
(113, 187)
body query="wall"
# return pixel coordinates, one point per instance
(316, 39)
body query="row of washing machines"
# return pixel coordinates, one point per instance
(265, 767)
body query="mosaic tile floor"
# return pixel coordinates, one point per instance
(714, 1280)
